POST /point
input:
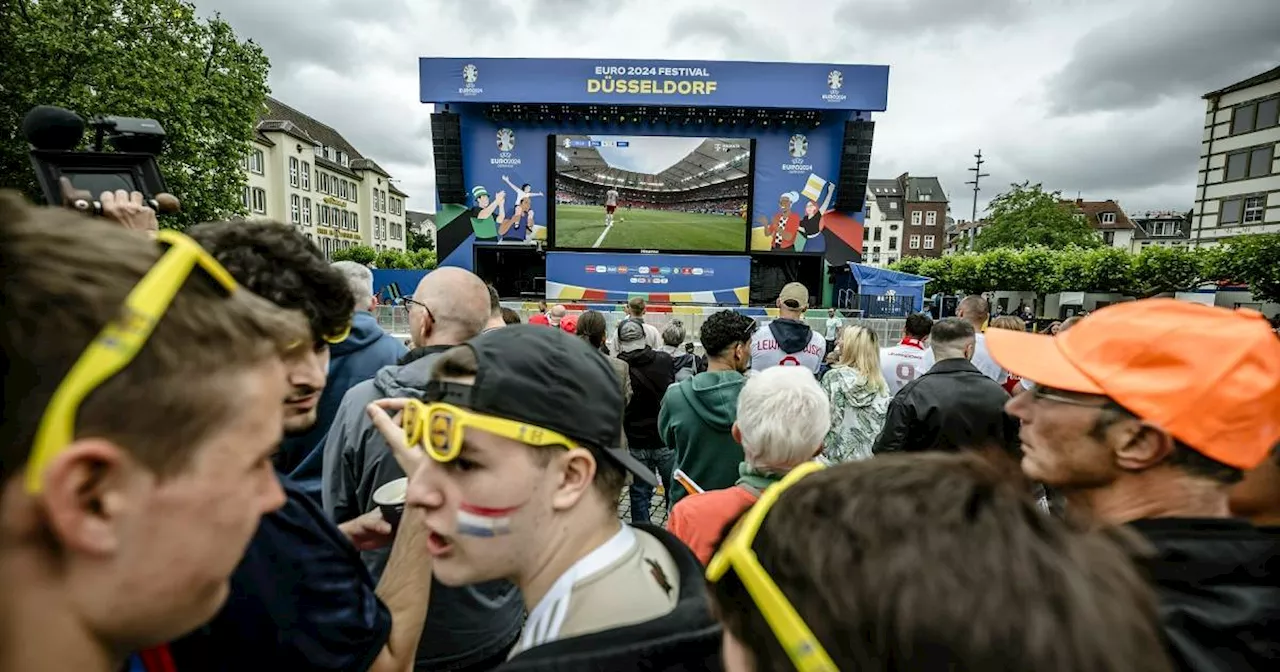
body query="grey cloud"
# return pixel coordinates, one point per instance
(1153, 153)
(1188, 49)
(291, 36)
(378, 131)
(564, 13)
(737, 34)
(911, 17)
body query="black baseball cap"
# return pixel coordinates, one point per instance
(547, 378)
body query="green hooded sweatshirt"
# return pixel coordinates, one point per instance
(696, 422)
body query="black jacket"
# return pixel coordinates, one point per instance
(651, 375)
(952, 407)
(1218, 581)
(688, 638)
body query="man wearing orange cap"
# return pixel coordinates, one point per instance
(1145, 414)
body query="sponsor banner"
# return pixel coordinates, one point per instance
(828, 86)
(660, 278)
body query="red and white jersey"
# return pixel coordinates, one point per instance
(611, 197)
(905, 362)
(766, 352)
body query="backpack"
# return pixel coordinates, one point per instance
(686, 367)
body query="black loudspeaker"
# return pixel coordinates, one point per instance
(446, 143)
(855, 165)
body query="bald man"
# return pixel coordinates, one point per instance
(556, 314)
(976, 311)
(469, 628)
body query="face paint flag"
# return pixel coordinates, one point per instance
(479, 521)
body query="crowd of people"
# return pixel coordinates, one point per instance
(214, 459)
(728, 198)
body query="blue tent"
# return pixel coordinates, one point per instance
(886, 293)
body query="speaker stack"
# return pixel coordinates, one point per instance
(855, 166)
(446, 144)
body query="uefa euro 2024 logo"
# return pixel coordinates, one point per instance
(835, 81)
(798, 146)
(470, 75)
(506, 140)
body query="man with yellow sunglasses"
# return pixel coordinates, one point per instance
(300, 598)
(521, 481)
(925, 562)
(142, 401)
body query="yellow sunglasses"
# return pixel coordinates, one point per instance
(438, 427)
(802, 647)
(118, 343)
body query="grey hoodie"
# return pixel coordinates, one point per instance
(464, 625)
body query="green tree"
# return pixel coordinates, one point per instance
(138, 58)
(1028, 215)
(1107, 269)
(1159, 270)
(418, 241)
(361, 254)
(1252, 259)
(424, 259)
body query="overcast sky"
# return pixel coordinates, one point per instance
(1100, 97)
(650, 155)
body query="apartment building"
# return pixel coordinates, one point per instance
(303, 172)
(1160, 228)
(1238, 187)
(880, 233)
(915, 217)
(1107, 218)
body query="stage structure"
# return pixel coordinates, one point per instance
(683, 182)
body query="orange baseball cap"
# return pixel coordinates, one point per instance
(1208, 376)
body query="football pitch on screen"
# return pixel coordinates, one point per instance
(581, 225)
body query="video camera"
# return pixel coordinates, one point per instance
(72, 178)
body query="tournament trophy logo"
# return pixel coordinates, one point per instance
(798, 146)
(506, 140)
(470, 75)
(835, 82)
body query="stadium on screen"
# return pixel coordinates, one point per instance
(669, 193)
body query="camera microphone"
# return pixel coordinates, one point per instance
(52, 128)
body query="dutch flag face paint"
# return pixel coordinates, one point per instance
(479, 521)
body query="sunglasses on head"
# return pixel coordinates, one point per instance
(118, 344)
(736, 553)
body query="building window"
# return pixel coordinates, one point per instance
(346, 220)
(355, 192)
(322, 180)
(259, 201)
(875, 233)
(295, 209)
(1229, 211)
(293, 172)
(244, 161)
(1255, 116)
(256, 163)
(306, 176)
(893, 242)
(931, 218)
(244, 197)
(342, 189)
(893, 205)
(916, 217)
(1245, 164)
(1109, 237)
(1108, 218)
(355, 221)
(1254, 208)
(914, 242)
(324, 215)
(1165, 229)
(306, 212)
(928, 241)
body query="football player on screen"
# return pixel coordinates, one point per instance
(610, 204)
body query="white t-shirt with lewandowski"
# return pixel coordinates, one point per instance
(905, 362)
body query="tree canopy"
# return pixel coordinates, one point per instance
(363, 254)
(137, 58)
(1027, 215)
(1252, 260)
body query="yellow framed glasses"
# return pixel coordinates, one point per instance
(117, 345)
(439, 427)
(334, 339)
(806, 653)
